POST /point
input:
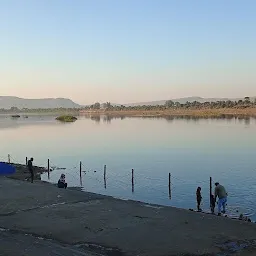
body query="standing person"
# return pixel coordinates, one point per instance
(30, 168)
(198, 198)
(221, 193)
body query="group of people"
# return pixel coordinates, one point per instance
(220, 193)
(61, 182)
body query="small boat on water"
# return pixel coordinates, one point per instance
(15, 116)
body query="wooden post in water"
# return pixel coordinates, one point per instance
(105, 171)
(9, 158)
(26, 160)
(80, 172)
(48, 167)
(132, 180)
(170, 191)
(210, 190)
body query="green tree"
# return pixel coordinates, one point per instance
(107, 105)
(169, 103)
(177, 104)
(229, 104)
(96, 105)
(14, 109)
(247, 100)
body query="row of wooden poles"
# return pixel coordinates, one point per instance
(48, 163)
(105, 179)
(105, 173)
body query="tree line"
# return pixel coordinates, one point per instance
(169, 104)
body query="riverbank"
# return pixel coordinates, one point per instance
(200, 113)
(22, 172)
(84, 223)
(179, 112)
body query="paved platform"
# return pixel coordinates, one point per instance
(68, 221)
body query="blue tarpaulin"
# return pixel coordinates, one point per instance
(6, 169)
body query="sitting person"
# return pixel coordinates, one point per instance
(62, 182)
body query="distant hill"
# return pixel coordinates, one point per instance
(184, 100)
(6, 102)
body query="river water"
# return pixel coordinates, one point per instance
(190, 149)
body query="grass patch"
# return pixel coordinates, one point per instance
(66, 118)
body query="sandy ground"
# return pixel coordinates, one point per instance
(40, 219)
(196, 113)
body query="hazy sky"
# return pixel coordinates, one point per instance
(127, 50)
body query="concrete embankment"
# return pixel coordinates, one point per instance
(39, 218)
(22, 172)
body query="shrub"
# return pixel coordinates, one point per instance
(66, 118)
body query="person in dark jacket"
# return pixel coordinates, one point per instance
(62, 181)
(199, 198)
(30, 168)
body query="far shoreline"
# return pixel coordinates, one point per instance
(171, 112)
(203, 113)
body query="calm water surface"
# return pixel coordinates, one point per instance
(191, 150)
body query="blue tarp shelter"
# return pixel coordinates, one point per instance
(6, 169)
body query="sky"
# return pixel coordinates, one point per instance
(126, 51)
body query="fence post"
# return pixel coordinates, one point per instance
(132, 180)
(26, 160)
(210, 189)
(48, 166)
(105, 171)
(80, 169)
(170, 191)
(9, 158)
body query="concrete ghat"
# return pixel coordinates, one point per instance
(99, 225)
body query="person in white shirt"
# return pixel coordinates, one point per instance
(62, 181)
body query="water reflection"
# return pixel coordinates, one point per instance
(7, 122)
(170, 118)
(95, 118)
(107, 119)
